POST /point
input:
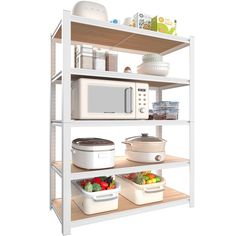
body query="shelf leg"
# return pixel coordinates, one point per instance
(159, 128)
(66, 182)
(52, 128)
(66, 129)
(191, 126)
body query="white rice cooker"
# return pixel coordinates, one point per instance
(93, 153)
(145, 148)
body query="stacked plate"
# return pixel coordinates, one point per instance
(84, 57)
(153, 65)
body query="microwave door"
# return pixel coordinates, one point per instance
(111, 101)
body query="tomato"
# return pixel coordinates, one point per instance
(83, 183)
(104, 184)
(151, 176)
(97, 180)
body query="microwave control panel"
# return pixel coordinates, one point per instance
(142, 92)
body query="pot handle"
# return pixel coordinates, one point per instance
(154, 190)
(163, 140)
(104, 198)
(127, 143)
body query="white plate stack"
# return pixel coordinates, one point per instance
(153, 65)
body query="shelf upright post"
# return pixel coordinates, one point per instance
(52, 127)
(191, 115)
(159, 128)
(66, 129)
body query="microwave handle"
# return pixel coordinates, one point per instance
(128, 100)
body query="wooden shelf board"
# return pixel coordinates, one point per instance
(122, 166)
(117, 37)
(153, 80)
(170, 195)
(111, 123)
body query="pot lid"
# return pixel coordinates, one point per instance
(145, 138)
(91, 142)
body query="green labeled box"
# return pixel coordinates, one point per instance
(163, 25)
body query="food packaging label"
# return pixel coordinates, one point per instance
(163, 25)
(142, 21)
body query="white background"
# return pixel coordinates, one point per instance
(24, 52)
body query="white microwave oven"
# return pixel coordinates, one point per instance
(106, 99)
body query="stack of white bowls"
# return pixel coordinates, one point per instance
(153, 65)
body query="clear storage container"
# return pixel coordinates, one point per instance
(165, 110)
(141, 194)
(166, 114)
(165, 104)
(99, 59)
(95, 202)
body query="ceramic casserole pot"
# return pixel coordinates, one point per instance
(145, 143)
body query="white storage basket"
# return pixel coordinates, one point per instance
(95, 202)
(141, 194)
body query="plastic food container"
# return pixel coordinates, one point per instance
(166, 114)
(165, 104)
(165, 110)
(141, 194)
(95, 202)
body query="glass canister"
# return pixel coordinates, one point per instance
(99, 59)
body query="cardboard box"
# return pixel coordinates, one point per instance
(163, 25)
(142, 21)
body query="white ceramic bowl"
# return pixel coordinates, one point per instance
(90, 10)
(161, 69)
(152, 58)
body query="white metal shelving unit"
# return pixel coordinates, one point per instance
(77, 30)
